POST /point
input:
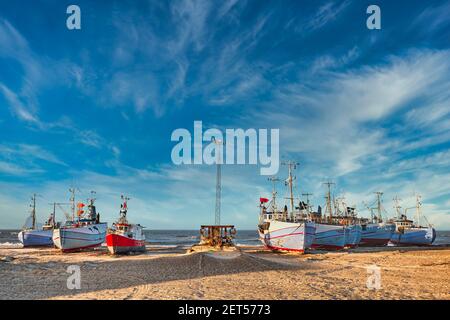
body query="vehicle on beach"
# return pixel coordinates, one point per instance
(31, 235)
(411, 232)
(124, 237)
(83, 231)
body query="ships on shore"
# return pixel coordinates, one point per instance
(31, 234)
(124, 237)
(283, 230)
(83, 231)
(300, 228)
(411, 232)
(376, 232)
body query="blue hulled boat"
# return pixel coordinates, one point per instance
(31, 235)
(409, 232)
(376, 232)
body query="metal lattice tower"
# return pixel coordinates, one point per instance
(218, 143)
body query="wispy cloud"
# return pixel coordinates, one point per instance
(325, 14)
(28, 151)
(16, 170)
(433, 18)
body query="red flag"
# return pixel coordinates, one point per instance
(80, 205)
(263, 200)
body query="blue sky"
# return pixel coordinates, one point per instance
(368, 109)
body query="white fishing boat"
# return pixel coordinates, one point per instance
(31, 234)
(84, 231)
(283, 230)
(410, 232)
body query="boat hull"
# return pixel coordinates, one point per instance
(329, 237)
(352, 235)
(414, 237)
(288, 236)
(375, 235)
(35, 238)
(81, 237)
(119, 244)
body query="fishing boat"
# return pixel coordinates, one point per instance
(283, 230)
(330, 234)
(410, 232)
(83, 231)
(353, 234)
(31, 235)
(124, 237)
(347, 217)
(376, 232)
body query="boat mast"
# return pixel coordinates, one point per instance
(328, 198)
(54, 214)
(307, 202)
(418, 209)
(33, 210)
(397, 206)
(124, 210)
(291, 165)
(72, 202)
(274, 180)
(379, 194)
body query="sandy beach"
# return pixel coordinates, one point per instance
(248, 273)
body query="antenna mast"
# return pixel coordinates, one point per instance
(218, 178)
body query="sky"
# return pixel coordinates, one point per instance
(95, 108)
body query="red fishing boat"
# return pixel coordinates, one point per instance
(124, 237)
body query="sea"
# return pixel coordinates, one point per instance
(157, 238)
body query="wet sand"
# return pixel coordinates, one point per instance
(248, 273)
